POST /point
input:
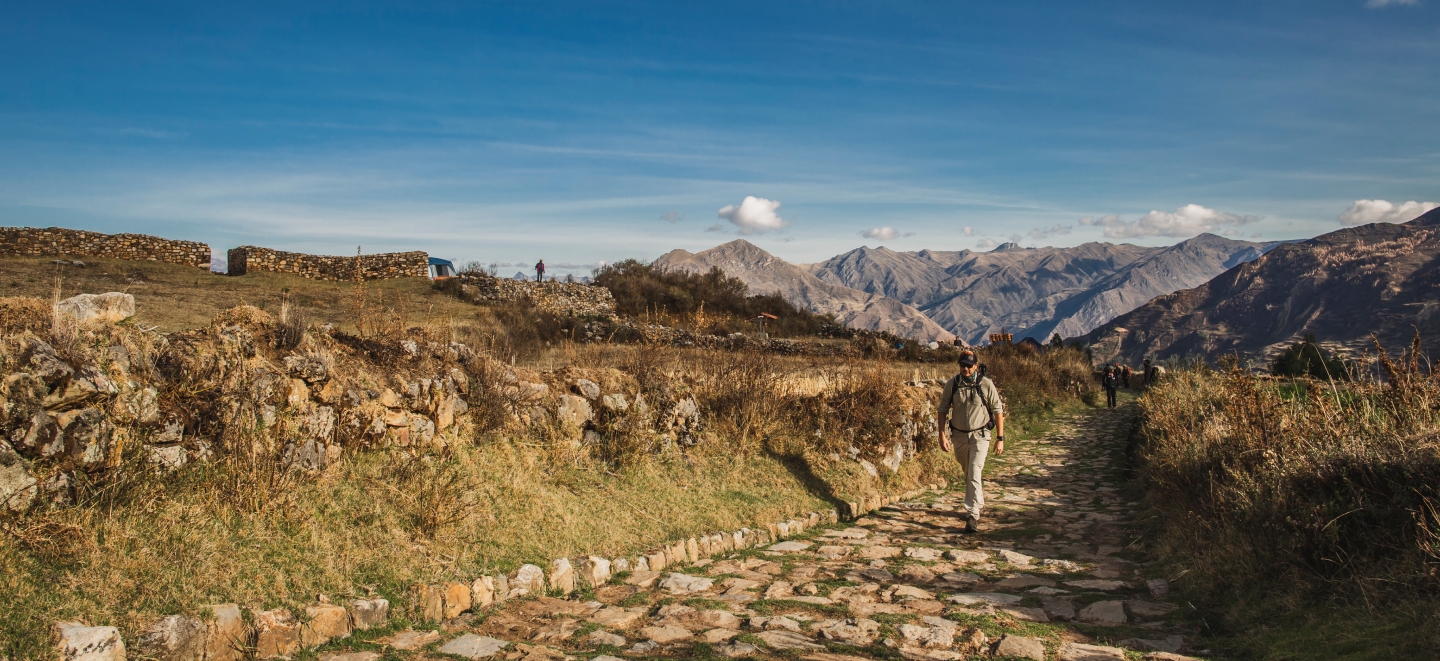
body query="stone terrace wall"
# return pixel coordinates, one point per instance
(318, 267)
(32, 242)
(573, 298)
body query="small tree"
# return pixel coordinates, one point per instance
(1057, 342)
(1308, 358)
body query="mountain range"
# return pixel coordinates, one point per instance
(1342, 287)
(766, 273)
(939, 295)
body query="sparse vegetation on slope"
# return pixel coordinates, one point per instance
(1304, 515)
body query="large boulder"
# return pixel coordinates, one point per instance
(98, 308)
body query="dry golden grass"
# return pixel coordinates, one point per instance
(174, 297)
(1301, 505)
(141, 544)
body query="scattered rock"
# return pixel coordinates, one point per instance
(1150, 610)
(410, 639)
(615, 617)
(859, 632)
(605, 638)
(1105, 613)
(1082, 652)
(679, 584)
(1021, 647)
(110, 307)
(77, 642)
(714, 636)
(737, 650)
(1159, 587)
(588, 388)
(790, 547)
(787, 640)
(666, 634)
(472, 646)
(922, 553)
(366, 613)
(980, 598)
(774, 623)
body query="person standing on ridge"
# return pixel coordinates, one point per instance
(970, 406)
(540, 271)
(1145, 377)
(1125, 376)
(1111, 381)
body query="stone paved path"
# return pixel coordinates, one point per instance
(1045, 578)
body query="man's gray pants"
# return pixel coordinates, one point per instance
(971, 450)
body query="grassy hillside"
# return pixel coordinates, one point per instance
(1301, 515)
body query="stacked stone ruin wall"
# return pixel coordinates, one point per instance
(573, 298)
(35, 242)
(320, 267)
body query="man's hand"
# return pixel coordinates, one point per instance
(944, 441)
(999, 447)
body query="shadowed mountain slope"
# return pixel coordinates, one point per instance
(1342, 286)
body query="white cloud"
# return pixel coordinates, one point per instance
(1087, 221)
(755, 215)
(1185, 222)
(986, 243)
(717, 227)
(672, 217)
(1377, 4)
(1364, 212)
(1047, 232)
(969, 231)
(880, 233)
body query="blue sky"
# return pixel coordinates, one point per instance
(579, 132)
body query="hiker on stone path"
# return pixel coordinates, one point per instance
(1125, 376)
(970, 406)
(1111, 381)
(540, 271)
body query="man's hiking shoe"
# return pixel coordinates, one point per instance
(970, 527)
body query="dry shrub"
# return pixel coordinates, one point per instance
(23, 313)
(1321, 488)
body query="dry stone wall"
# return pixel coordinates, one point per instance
(33, 242)
(320, 267)
(572, 298)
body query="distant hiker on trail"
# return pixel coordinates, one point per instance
(540, 271)
(970, 407)
(1125, 376)
(1146, 374)
(1111, 381)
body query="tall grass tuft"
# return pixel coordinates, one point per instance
(1322, 492)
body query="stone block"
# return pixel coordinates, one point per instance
(1104, 613)
(573, 412)
(457, 599)
(482, 592)
(322, 623)
(173, 638)
(107, 308)
(656, 561)
(595, 570)
(692, 550)
(366, 613)
(74, 641)
(430, 602)
(472, 646)
(277, 634)
(562, 576)
(530, 578)
(224, 633)
(502, 587)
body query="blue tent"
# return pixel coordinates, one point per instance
(441, 268)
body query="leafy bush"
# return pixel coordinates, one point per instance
(716, 303)
(1308, 358)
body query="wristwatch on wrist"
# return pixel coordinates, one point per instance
(1000, 438)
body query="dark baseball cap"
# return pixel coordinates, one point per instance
(968, 358)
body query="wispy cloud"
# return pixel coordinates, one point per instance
(881, 233)
(1185, 222)
(985, 244)
(1364, 212)
(1380, 4)
(1041, 233)
(672, 217)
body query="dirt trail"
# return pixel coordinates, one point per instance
(1045, 578)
